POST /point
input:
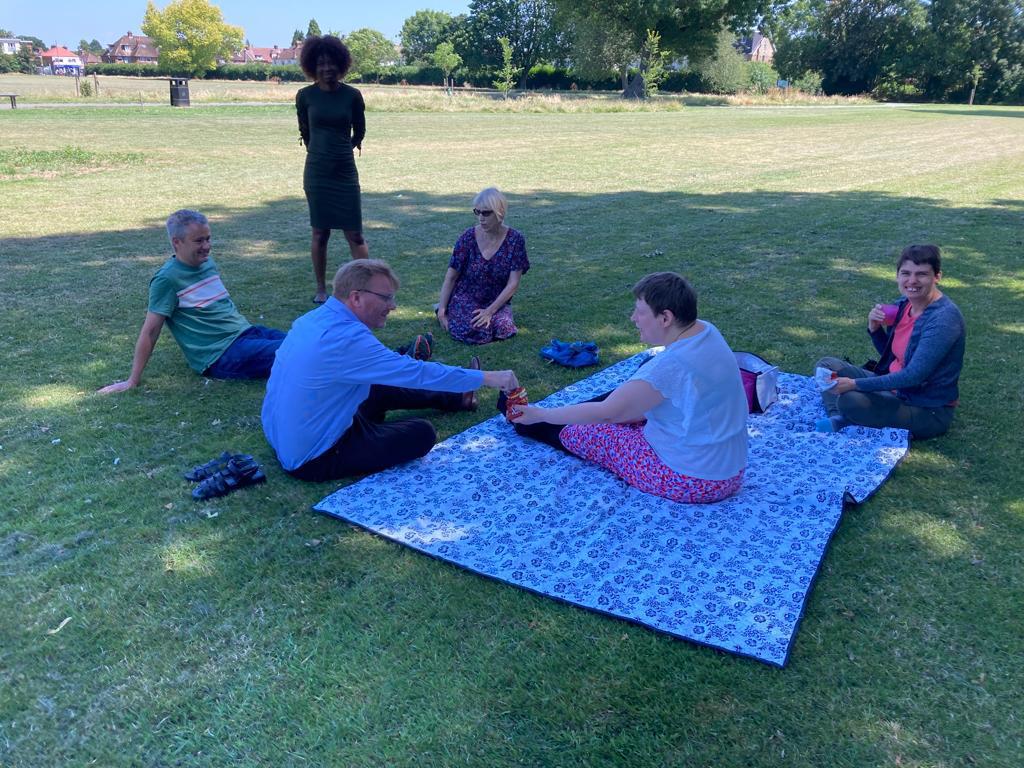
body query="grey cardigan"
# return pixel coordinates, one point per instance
(934, 357)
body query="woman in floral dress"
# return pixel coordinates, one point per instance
(483, 275)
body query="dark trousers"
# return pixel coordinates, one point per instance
(370, 444)
(882, 409)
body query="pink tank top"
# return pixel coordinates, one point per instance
(900, 339)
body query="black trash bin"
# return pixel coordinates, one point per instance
(179, 92)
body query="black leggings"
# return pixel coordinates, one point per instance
(544, 432)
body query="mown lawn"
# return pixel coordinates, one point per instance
(139, 628)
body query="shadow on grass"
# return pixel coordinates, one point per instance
(787, 275)
(974, 111)
(790, 276)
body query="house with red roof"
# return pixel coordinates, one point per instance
(61, 61)
(251, 54)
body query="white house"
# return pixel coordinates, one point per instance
(11, 45)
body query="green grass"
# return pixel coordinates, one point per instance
(21, 162)
(249, 631)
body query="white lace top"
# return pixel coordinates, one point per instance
(700, 428)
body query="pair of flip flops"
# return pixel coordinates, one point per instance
(227, 473)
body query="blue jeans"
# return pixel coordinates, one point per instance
(250, 356)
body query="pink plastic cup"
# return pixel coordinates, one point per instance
(890, 311)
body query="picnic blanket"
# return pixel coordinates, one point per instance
(733, 575)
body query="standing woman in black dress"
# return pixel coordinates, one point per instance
(331, 123)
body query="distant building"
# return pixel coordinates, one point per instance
(89, 58)
(61, 61)
(274, 55)
(289, 55)
(11, 45)
(132, 49)
(756, 48)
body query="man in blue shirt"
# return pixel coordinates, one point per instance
(333, 382)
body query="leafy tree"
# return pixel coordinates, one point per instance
(22, 61)
(37, 44)
(191, 35)
(725, 71)
(652, 63)
(857, 45)
(793, 29)
(761, 76)
(530, 26)
(447, 60)
(600, 45)
(297, 37)
(808, 82)
(313, 28)
(370, 51)
(509, 72)
(612, 33)
(94, 47)
(422, 33)
(977, 44)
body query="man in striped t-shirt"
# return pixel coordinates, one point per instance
(188, 296)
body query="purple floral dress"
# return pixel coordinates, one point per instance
(479, 283)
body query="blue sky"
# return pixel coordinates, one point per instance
(266, 22)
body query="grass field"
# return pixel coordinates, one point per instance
(139, 628)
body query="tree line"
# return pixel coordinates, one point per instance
(943, 50)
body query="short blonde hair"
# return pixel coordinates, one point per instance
(492, 199)
(356, 275)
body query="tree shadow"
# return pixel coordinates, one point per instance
(973, 111)
(787, 275)
(783, 274)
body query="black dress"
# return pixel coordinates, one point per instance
(331, 123)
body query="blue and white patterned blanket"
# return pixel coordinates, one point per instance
(733, 575)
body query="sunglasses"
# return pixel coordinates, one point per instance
(481, 212)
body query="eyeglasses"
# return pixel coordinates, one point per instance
(479, 212)
(388, 297)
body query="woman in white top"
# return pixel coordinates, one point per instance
(678, 427)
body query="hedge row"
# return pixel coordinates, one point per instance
(133, 70)
(541, 76)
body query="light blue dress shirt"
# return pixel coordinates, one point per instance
(322, 374)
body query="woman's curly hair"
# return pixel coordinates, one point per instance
(316, 46)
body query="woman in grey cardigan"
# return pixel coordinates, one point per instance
(921, 343)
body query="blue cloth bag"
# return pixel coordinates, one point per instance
(572, 354)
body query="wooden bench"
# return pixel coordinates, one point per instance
(13, 97)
